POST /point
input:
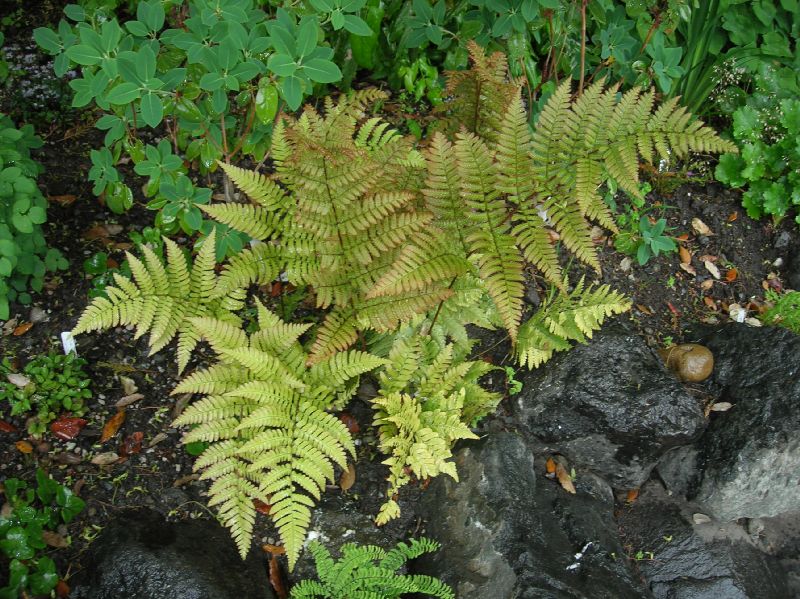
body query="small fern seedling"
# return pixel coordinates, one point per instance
(369, 572)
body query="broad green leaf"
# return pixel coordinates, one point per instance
(282, 65)
(357, 26)
(322, 71)
(152, 109)
(123, 93)
(266, 101)
(48, 39)
(292, 92)
(85, 55)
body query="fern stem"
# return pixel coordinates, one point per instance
(439, 307)
(583, 45)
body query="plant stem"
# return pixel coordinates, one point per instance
(583, 45)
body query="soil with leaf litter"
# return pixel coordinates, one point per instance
(727, 259)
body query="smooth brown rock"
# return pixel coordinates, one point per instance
(691, 362)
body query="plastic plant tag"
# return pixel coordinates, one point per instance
(68, 343)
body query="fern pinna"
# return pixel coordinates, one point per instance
(264, 415)
(352, 206)
(369, 572)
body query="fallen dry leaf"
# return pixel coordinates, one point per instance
(22, 329)
(180, 404)
(721, 406)
(66, 428)
(7, 427)
(350, 423)
(62, 590)
(731, 275)
(63, 200)
(550, 466)
(710, 267)
(688, 268)
(700, 227)
(708, 258)
(276, 578)
(53, 539)
(710, 302)
(673, 309)
(348, 478)
(23, 447)
(273, 549)
(185, 480)
(683, 237)
(128, 385)
(644, 309)
(733, 216)
(707, 284)
(686, 256)
(9, 326)
(112, 426)
(132, 444)
(128, 400)
(104, 459)
(261, 507)
(564, 479)
(632, 496)
(699, 518)
(157, 439)
(18, 380)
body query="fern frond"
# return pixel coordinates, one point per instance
(255, 221)
(498, 259)
(337, 333)
(260, 189)
(568, 317)
(513, 154)
(442, 190)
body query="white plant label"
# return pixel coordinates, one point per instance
(68, 343)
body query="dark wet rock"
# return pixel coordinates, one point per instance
(749, 458)
(336, 521)
(141, 555)
(678, 470)
(506, 531)
(793, 272)
(609, 406)
(682, 560)
(782, 240)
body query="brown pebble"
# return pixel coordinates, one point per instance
(691, 362)
(67, 457)
(43, 447)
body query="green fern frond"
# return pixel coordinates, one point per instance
(264, 413)
(568, 317)
(369, 572)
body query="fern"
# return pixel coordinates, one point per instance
(567, 317)
(369, 572)
(163, 299)
(264, 415)
(426, 400)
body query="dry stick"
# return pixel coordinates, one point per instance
(583, 44)
(650, 32)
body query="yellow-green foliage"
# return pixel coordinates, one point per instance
(265, 416)
(162, 299)
(566, 317)
(498, 191)
(425, 403)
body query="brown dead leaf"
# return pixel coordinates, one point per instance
(348, 478)
(550, 466)
(711, 267)
(261, 507)
(128, 400)
(112, 426)
(23, 447)
(67, 428)
(733, 216)
(53, 539)
(683, 237)
(710, 302)
(553, 235)
(350, 422)
(22, 329)
(7, 427)
(707, 284)
(157, 439)
(644, 309)
(701, 228)
(62, 200)
(18, 379)
(62, 590)
(276, 578)
(104, 459)
(273, 549)
(686, 256)
(708, 258)
(731, 275)
(185, 480)
(632, 496)
(132, 444)
(181, 402)
(128, 385)
(688, 268)
(564, 479)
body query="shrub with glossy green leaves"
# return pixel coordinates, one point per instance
(24, 255)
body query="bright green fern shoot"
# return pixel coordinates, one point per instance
(369, 572)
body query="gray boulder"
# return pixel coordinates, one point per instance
(506, 531)
(683, 560)
(609, 406)
(749, 458)
(141, 555)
